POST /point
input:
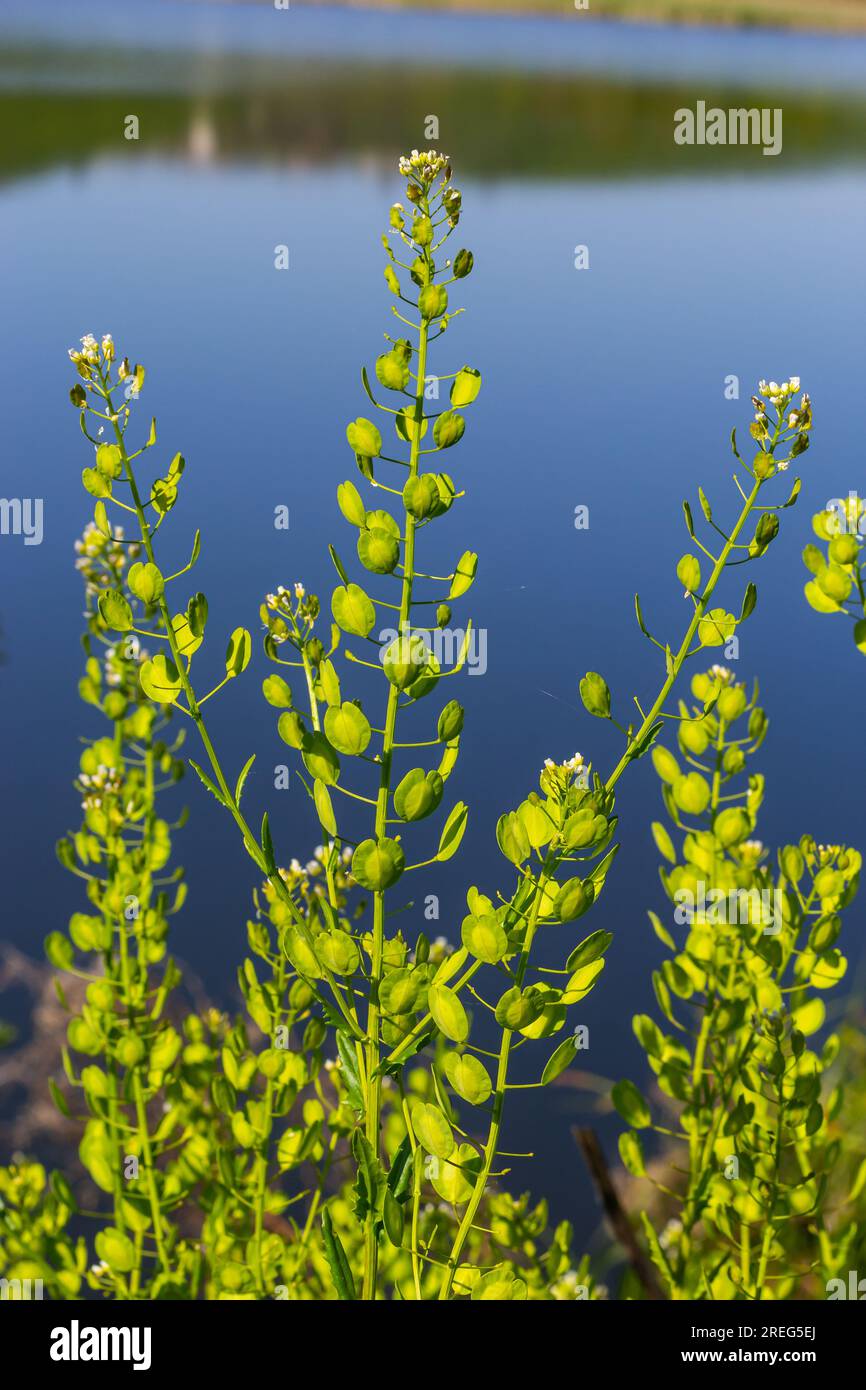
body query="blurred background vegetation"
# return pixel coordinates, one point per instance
(802, 14)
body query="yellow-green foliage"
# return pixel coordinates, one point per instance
(838, 583)
(736, 1058)
(344, 1137)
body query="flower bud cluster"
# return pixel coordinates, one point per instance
(791, 424)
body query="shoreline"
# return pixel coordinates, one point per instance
(784, 16)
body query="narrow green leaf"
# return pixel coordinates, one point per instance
(366, 384)
(268, 845)
(337, 1260)
(59, 1098)
(211, 786)
(658, 1255)
(392, 1216)
(351, 1075)
(750, 598)
(400, 1173)
(338, 564)
(196, 550)
(245, 770)
(370, 1181)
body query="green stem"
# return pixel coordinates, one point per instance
(149, 1169)
(498, 1103)
(141, 1116)
(373, 1077)
(679, 659)
(261, 1186)
(745, 1252)
(767, 1238)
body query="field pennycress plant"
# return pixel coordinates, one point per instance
(394, 1017)
(744, 1096)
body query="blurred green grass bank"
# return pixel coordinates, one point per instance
(839, 15)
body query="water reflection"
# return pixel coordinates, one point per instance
(234, 82)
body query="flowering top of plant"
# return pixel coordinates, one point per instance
(790, 423)
(422, 167)
(421, 170)
(555, 779)
(88, 355)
